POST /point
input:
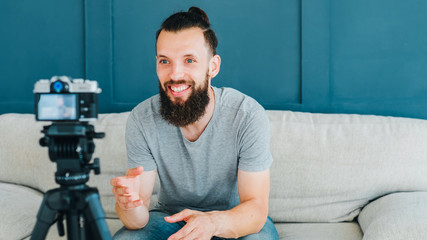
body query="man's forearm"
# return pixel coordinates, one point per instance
(134, 218)
(246, 218)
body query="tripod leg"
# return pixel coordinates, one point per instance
(73, 230)
(95, 217)
(45, 218)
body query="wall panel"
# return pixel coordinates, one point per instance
(338, 56)
(38, 39)
(366, 57)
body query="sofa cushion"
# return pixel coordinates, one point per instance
(395, 216)
(328, 166)
(23, 160)
(319, 231)
(18, 209)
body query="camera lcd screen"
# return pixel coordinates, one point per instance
(52, 107)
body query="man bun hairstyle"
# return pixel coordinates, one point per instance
(194, 17)
(200, 13)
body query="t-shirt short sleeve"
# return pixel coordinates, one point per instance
(254, 139)
(138, 152)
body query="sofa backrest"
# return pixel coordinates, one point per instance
(23, 160)
(328, 166)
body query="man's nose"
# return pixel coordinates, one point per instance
(177, 72)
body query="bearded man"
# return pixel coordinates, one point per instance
(209, 146)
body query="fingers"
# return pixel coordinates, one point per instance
(187, 231)
(196, 226)
(121, 190)
(126, 188)
(199, 225)
(118, 181)
(122, 180)
(124, 204)
(133, 172)
(126, 200)
(181, 216)
(133, 204)
(125, 192)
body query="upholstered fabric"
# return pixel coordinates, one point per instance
(395, 216)
(18, 209)
(23, 161)
(328, 166)
(319, 231)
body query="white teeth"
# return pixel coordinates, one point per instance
(179, 89)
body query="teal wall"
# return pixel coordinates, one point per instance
(330, 56)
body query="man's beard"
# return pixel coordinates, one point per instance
(180, 113)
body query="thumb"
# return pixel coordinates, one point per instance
(134, 172)
(181, 216)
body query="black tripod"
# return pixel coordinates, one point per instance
(71, 147)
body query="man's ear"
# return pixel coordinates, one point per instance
(214, 66)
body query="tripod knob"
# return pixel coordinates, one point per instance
(94, 134)
(99, 135)
(43, 142)
(96, 166)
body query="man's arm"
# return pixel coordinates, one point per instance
(251, 214)
(246, 218)
(133, 193)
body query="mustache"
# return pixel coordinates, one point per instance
(176, 82)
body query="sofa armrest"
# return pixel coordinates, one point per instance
(395, 216)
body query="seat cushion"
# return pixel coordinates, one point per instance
(18, 209)
(396, 216)
(319, 231)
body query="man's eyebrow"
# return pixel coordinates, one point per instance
(190, 55)
(185, 55)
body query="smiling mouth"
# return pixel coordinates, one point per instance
(179, 90)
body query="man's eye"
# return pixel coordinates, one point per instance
(163, 61)
(190, 60)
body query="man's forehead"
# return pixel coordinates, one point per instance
(184, 42)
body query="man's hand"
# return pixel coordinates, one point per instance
(126, 189)
(199, 225)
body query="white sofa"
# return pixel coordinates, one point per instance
(335, 176)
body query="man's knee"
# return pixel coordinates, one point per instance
(261, 236)
(156, 229)
(141, 234)
(124, 234)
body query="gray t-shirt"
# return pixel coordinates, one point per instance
(200, 175)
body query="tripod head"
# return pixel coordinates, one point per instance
(71, 147)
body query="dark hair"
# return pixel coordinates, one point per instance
(194, 17)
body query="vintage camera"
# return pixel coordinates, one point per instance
(64, 99)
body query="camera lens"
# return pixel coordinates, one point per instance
(58, 86)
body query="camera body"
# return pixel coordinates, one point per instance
(64, 99)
